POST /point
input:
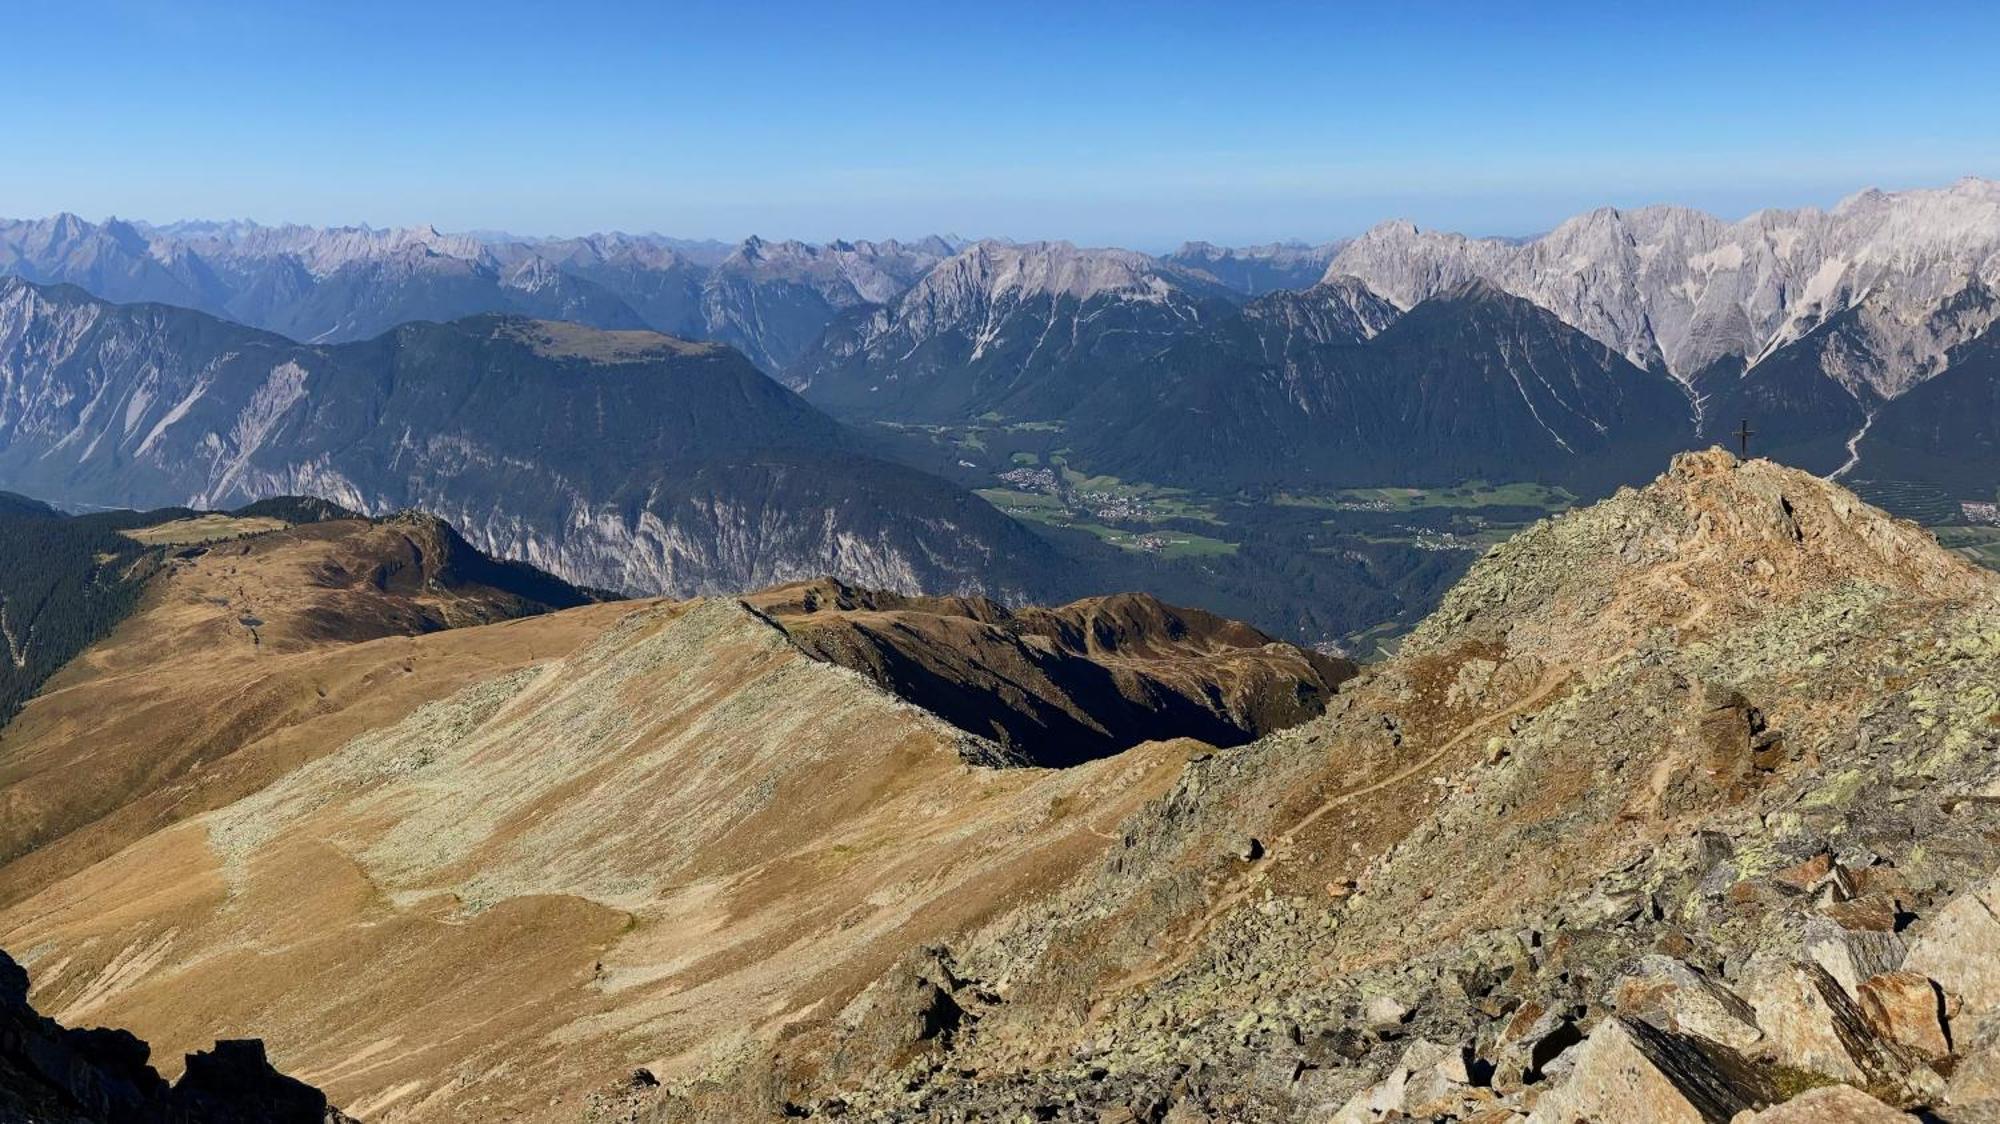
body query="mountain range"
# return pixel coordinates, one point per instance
(1816, 324)
(1184, 402)
(627, 460)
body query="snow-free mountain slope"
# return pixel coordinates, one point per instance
(541, 854)
(623, 460)
(1021, 329)
(1706, 766)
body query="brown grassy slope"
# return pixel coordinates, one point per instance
(495, 868)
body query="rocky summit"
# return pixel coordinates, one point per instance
(1682, 807)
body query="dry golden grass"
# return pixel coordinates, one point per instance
(493, 869)
(214, 527)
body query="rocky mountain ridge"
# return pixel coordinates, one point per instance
(1679, 289)
(1067, 684)
(1679, 808)
(50, 1074)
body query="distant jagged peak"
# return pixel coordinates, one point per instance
(324, 250)
(758, 249)
(844, 272)
(1028, 270)
(1339, 309)
(1293, 248)
(1713, 542)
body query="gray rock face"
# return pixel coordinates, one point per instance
(1678, 289)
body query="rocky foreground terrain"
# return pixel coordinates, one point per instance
(1684, 807)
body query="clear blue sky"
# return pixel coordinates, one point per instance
(1137, 124)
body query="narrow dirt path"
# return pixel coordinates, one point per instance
(1246, 881)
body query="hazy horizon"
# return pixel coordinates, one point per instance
(1116, 124)
(911, 236)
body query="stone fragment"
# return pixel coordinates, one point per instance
(1973, 1093)
(1675, 997)
(1852, 955)
(1436, 1074)
(1628, 1070)
(1811, 1023)
(1805, 875)
(1959, 947)
(1831, 1104)
(1871, 913)
(1907, 1008)
(1525, 1050)
(1728, 729)
(1385, 1015)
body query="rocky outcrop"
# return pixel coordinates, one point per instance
(51, 1074)
(1680, 807)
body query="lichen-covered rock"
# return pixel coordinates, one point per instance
(1834, 1104)
(1673, 996)
(1628, 1070)
(1960, 948)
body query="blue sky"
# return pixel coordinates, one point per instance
(1134, 124)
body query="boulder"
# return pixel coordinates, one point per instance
(1810, 1023)
(1437, 1074)
(1959, 947)
(1628, 1070)
(1852, 955)
(1906, 1008)
(1973, 1093)
(906, 1013)
(1385, 1015)
(1426, 1076)
(1675, 997)
(1531, 1042)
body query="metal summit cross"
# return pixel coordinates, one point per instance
(1743, 435)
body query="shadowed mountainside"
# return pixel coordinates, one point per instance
(51, 1074)
(626, 460)
(1067, 684)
